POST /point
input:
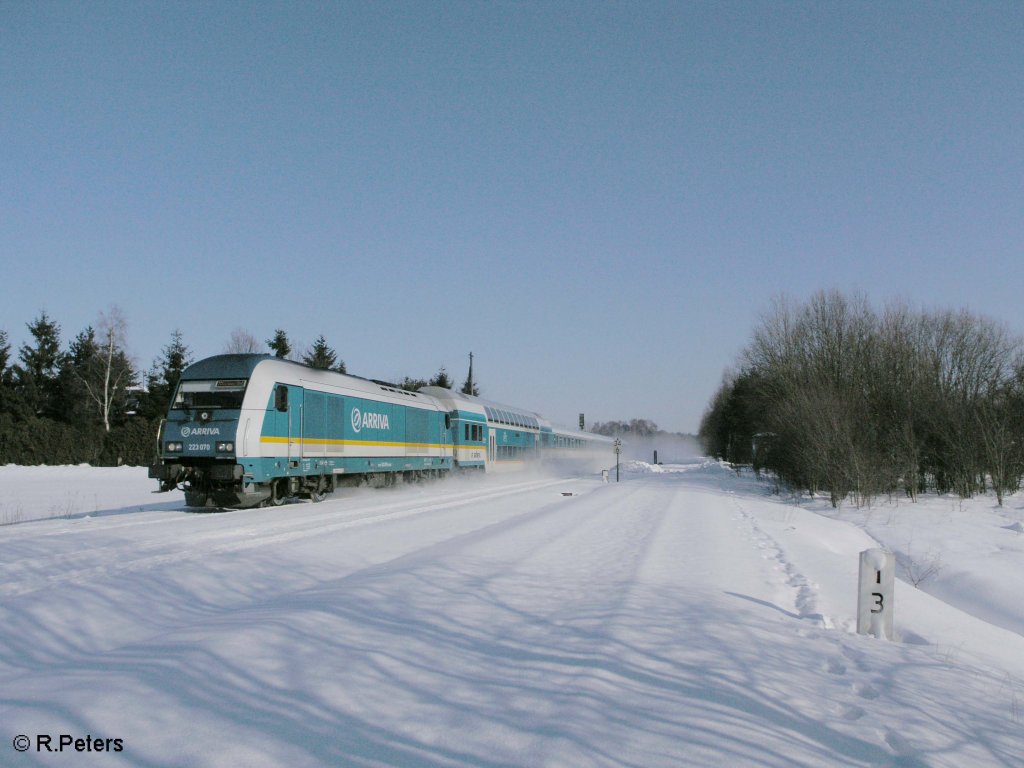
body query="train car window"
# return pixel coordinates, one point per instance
(281, 398)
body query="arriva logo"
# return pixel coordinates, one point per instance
(369, 420)
(197, 431)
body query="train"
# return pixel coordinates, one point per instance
(250, 430)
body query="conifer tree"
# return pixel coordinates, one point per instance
(409, 384)
(442, 379)
(5, 354)
(37, 377)
(6, 375)
(279, 345)
(80, 358)
(323, 357)
(164, 375)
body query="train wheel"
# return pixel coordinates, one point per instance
(195, 499)
(277, 493)
(319, 491)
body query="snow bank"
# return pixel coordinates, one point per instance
(34, 493)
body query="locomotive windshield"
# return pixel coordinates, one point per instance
(216, 393)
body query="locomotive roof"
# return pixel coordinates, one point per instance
(243, 366)
(224, 366)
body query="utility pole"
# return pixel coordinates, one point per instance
(469, 388)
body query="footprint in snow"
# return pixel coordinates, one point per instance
(853, 712)
(857, 657)
(836, 667)
(866, 691)
(906, 755)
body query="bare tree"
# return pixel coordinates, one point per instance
(859, 403)
(242, 343)
(107, 373)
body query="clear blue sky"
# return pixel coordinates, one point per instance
(597, 199)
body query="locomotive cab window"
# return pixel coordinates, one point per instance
(218, 393)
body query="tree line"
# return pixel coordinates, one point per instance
(633, 428)
(833, 396)
(88, 402)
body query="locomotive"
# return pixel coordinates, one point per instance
(255, 430)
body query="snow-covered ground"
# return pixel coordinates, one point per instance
(684, 616)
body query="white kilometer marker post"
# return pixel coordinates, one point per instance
(875, 597)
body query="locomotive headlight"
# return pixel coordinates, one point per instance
(174, 447)
(225, 447)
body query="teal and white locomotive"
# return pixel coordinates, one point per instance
(251, 430)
